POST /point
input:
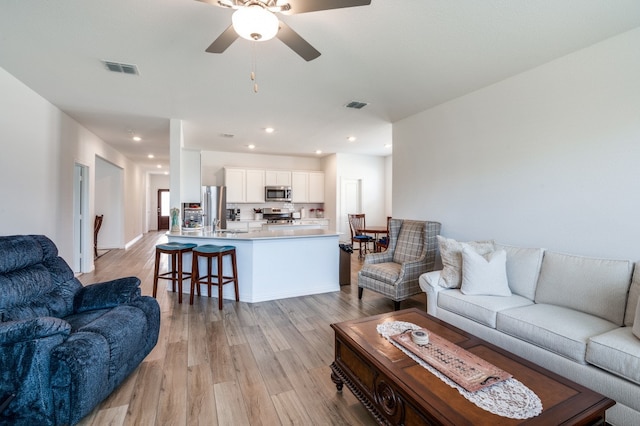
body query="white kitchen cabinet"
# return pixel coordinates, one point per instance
(307, 187)
(316, 187)
(300, 187)
(244, 185)
(255, 186)
(235, 181)
(278, 177)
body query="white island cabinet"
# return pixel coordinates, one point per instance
(272, 264)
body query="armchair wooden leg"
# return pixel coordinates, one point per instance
(396, 305)
(360, 289)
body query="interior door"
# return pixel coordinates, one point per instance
(163, 209)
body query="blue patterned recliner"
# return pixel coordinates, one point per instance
(64, 347)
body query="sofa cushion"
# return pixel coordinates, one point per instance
(593, 286)
(523, 269)
(410, 244)
(616, 351)
(558, 329)
(388, 272)
(451, 254)
(482, 309)
(484, 275)
(122, 327)
(634, 297)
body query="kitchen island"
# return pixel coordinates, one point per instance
(272, 264)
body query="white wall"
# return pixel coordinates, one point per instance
(108, 202)
(547, 158)
(371, 171)
(388, 185)
(40, 145)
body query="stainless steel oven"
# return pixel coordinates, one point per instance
(275, 215)
(277, 193)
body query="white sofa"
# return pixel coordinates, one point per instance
(572, 315)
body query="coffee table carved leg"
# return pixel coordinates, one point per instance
(336, 379)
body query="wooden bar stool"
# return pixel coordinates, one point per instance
(209, 251)
(175, 272)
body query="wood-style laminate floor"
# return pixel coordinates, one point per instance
(261, 363)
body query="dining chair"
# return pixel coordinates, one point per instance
(383, 243)
(96, 228)
(356, 223)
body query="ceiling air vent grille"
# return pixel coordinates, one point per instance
(121, 68)
(356, 105)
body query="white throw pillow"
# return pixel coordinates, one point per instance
(636, 322)
(451, 254)
(484, 275)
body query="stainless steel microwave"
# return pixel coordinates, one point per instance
(277, 193)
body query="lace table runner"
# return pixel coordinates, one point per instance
(466, 369)
(507, 398)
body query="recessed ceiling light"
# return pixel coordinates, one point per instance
(166, 173)
(388, 145)
(137, 138)
(150, 156)
(351, 138)
(269, 129)
(159, 166)
(318, 152)
(251, 146)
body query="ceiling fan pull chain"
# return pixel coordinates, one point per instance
(253, 67)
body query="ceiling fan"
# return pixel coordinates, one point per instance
(256, 20)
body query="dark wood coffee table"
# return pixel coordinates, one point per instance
(396, 390)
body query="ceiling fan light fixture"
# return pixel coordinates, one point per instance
(255, 23)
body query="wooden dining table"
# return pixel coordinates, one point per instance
(375, 230)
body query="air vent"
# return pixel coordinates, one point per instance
(227, 135)
(356, 105)
(121, 68)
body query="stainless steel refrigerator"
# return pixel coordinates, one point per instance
(214, 206)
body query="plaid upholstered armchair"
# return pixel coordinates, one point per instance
(411, 252)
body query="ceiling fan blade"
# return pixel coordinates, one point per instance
(223, 41)
(304, 6)
(296, 43)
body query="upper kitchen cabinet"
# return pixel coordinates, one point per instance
(278, 178)
(300, 187)
(236, 181)
(255, 186)
(244, 185)
(307, 187)
(316, 187)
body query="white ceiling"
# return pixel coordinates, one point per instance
(400, 56)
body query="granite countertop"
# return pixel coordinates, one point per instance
(255, 235)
